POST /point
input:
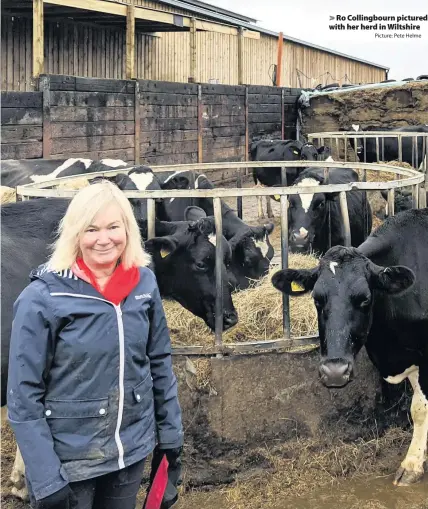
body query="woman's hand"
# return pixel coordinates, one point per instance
(62, 499)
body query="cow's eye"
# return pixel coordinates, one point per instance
(320, 205)
(201, 265)
(364, 302)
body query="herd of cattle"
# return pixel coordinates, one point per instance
(360, 292)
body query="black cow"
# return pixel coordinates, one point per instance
(308, 223)
(403, 200)
(361, 299)
(281, 150)
(251, 248)
(19, 172)
(388, 147)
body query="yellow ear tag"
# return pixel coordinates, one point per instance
(296, 287)
(295, 152)
(164, 253)
(277, 197)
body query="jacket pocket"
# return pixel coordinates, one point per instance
(78, 427)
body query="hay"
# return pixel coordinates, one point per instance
(7, 195)
(79, 183)
(259, 310)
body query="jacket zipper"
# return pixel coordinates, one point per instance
(119, 444)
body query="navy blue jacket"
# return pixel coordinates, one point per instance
(91, 387)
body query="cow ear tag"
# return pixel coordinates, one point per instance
(164, 253)
(296, 287)
(277, 197)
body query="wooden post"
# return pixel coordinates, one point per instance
(44, 87)
(200, 150)
(284, 255)
(247, 134)
(130, 42)
(240, 56)
(137, 126)
(192, 39)
(38, 38)
(282, 115)
(279, 59)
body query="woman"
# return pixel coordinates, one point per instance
(91, 387)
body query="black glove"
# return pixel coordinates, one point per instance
(62, 499)
(174, 473)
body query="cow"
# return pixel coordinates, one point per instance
(376, 296)
(403, 200)
(250, 245)
(281, 150)
(309, 215)
(183, 261)
(26, 171)
(388, 147)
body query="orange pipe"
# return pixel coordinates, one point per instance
(279, 59)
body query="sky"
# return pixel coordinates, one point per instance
(310, 20)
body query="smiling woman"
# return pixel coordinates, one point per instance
(91, 389)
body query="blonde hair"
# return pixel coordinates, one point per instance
(84, 206)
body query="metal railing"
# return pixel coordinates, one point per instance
(409, 178)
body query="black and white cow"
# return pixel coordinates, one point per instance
(251, 248)
(388, 147)
(282, 150)
(26, 171)
(376, 296)
(308, 223)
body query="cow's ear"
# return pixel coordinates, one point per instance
(384, 193)
(177, 182)
(393, 280)
(164, 246)
(295, 282)
(268, 228)
(194, 213)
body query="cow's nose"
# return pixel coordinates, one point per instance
(300, 236)
(230, 318)
(336, 372)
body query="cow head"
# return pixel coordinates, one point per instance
(403, 200)
(307, 213)
(184, 259)
(311, 153)
(344, 287)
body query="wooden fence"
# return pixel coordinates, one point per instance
(151, 122)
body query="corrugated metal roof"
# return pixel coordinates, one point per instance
(234, 19)
(220, 10)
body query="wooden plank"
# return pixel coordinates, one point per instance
(101, 128)
(264, 89)
(188, 158)
(192, 42)
(91, 99)
(17, 133)
(216, 110)
(168, 136)
(223, 89)
(265, 117)
(241, 56)
(81, 114)
(137, 122)
(15, 150)
(22, 36)
(179, 147)
(264, 108)
(38, 38)
(92, 5)
(237, 130)
(130, 42)
(200, 126)
(124, 154)
(224, 142)
(21, 100)
(222, 99)
(59, 82)
(167, 87)
(91, 143)
(157, 111)
(4, 24)
(166, 124)
(261, 128)
(264, 99)
(168, 99)
(224, 120)
(47, 134)
(218, 154)
(21, 116)
(102, 85)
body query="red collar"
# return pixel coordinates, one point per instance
(119, 286)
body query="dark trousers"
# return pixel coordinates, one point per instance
(117, 490)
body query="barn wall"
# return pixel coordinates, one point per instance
(88, 51)
(157, 122)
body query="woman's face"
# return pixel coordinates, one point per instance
(104, 240)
